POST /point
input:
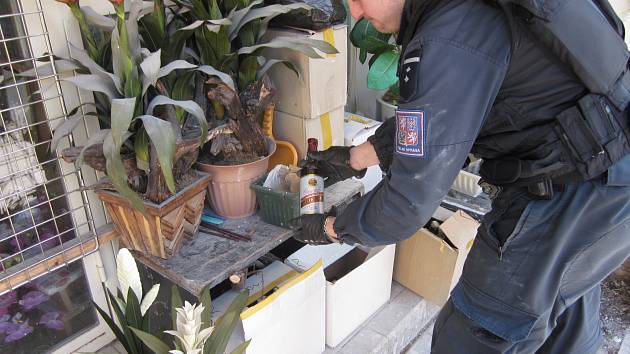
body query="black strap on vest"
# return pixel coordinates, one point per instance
(587, 36)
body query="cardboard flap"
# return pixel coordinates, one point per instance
(344, 265)
(460, 229)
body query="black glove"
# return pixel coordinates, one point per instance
(310, 228)
(335, 164)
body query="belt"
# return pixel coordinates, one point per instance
(542, 189)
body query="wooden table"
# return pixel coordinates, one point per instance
(209, 260)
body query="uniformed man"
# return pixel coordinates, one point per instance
(471, 79)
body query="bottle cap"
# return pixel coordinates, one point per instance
(312, 144)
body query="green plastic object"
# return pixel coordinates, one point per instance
(276, 208)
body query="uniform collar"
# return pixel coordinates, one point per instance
(413, 11)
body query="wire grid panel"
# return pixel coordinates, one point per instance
(44, 208)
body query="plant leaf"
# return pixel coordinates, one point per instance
(163, 138)
(365, 36)
(268, 13)
(103, 22)
(175, 65)
(189, 106)
(130, 341)
(112, 325)
(117, 173)
(116, 60)
(212, 25)
(149, 298)
(237, 16)
(66, 128)
(384, 71)
(271, 62)
(206, 301)
(150, 70)
(210, 71)
(219, 338)
(151, 341)
(61, 66)
(128, 275)
(83, 57)
(247, 71)
(240, 349)
(94, 83)
(96, 138)
(132, 312)
(132, 28)
(303, 45)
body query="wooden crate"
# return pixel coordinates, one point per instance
(163, 228)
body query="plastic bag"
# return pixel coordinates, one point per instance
(325, 13)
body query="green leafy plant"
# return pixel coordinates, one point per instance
(164, 75)
(383, 63)
(229, 36)
(152, 138)
(193, 331)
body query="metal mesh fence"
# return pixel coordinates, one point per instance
(44, 208)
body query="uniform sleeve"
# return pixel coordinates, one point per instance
(447, 90)
(383, 143)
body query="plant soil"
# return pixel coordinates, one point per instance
(615, 309)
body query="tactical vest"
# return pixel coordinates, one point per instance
(587, 36)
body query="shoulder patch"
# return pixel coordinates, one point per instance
(411, 133)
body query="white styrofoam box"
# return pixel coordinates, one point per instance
(358, 283)
(357, 130)
(466, 183)
(305, 257)
(327, 129)
(289, 320)
(324, 81)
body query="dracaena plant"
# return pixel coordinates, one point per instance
(229, 36)
(152, 138)
(383, 63)
(193, 331)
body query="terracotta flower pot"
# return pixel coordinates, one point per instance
(230, 193)
(163, 228)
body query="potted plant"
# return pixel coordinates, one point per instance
(229, 36)
(150, 137)
(383, 64)
(193, 331)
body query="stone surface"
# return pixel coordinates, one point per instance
(422, 344)
(393, 327)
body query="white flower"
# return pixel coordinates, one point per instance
(189, 329)
(128, 275)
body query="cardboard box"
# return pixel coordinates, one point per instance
(357, 129)
(291, 317)
(358, 283)
(431, 266)
(327, 129)
(324, 81)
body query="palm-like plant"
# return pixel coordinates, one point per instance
(147, 130)
(230, 37)
(166, 63)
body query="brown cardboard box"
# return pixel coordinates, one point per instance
(428, 265)
(324, 81)
(327, 129)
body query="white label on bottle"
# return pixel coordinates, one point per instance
(311, 194)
